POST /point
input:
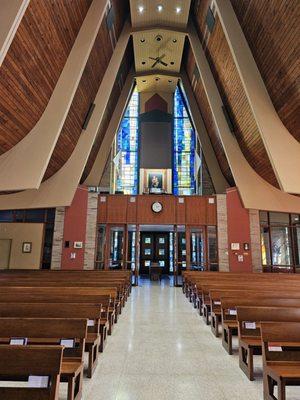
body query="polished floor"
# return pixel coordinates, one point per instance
(162, 350)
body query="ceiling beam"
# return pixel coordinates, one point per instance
(12, 12)
(218, 179)
(255, 192)
(28, 171)
(282, 148)
(59, 190)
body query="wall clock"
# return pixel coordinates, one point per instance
(156, 207)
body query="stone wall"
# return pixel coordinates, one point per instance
(58, 238)
(91, 227)
(255, 240)
(222, 232)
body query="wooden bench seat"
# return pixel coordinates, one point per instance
(249, 320)
(50, 331)
(91, 312)
(228, 312)
(281, 357)
(19, 362)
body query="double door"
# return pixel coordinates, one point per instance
(154, 249)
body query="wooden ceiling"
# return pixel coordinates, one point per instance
(33, 64)
(118, 86)
(272, 30)
(233, 95)
(157, 83)
(204, 108)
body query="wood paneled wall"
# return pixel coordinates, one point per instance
(190, 210)
(88, 87)
(34, 63)
(272, 30)
(233, 95)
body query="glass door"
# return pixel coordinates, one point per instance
(197, 248)
(116, 247)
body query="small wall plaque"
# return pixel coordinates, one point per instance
(235, 246)
(27, 247)
(78, 245)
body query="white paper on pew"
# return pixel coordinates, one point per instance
(274, 348)
(250, 325)
(91, 322)
(217, 303)
(68, 343)
(18, 341)
(36, 381)
(232, 312)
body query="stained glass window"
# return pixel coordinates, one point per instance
(127, 149)
(184, 149)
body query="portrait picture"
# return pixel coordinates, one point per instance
(155, 180)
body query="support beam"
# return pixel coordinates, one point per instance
(11, 15)
(282, 148)
(28, 171)
(219, 182)
(59, 190)
(97, 170)
(255, 192)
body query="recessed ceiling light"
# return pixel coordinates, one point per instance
(172, 63)
(160, 8)
(157, 79)
(141, 9)
(170, 81)
(174, 40)
(144, 81)
(178, 10)
(143, 62)
(143, 40)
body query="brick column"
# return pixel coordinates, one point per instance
(58, 238)
(91, 228)
(255, 240)
(222, 232)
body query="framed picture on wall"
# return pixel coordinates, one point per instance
(27, 247)
(155, 181)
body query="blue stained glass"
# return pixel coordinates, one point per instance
(184, 149)
(127, 143)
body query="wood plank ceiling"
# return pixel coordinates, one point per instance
(233, 95)
(199, 92)
(272, 30)
(91, 79)
(34, 63)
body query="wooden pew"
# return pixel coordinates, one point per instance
(52, 331)
(104, 296)
(249, 320)
(228, 312)
(244, 292)
(91, 312)
(19, 362)
(281, 357)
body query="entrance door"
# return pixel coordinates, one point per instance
(5, 246)
(155, 248)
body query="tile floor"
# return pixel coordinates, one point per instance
(162, 350)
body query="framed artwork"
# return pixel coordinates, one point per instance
(78, 245)
(155, 181)
(27, 247)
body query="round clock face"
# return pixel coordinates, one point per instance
(157, 207)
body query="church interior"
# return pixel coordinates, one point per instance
(149, 200)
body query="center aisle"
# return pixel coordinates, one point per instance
(161, 350)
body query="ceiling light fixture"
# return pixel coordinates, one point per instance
(143, 40)
(174, 40)
(160, 8)
(178, 10)
(141, 9)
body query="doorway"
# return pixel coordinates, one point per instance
(154, 248)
